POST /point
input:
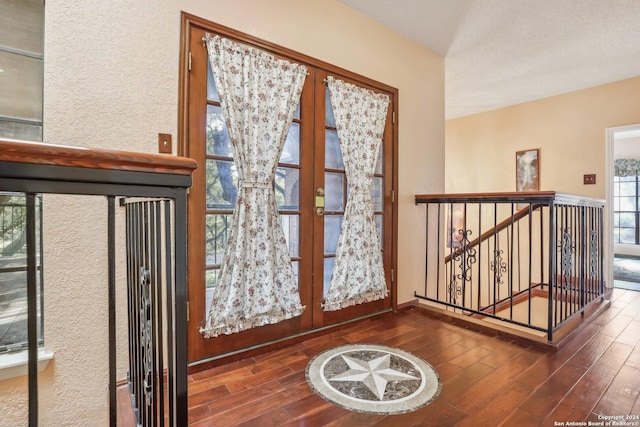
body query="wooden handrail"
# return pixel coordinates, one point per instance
(517, 216)
(539, 197)
(533, 199)
(15, 151)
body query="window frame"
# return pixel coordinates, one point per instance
(15, 126)
(617, 212)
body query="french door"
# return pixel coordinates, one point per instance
(311, 191)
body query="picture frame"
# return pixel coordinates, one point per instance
(455, 222)
(528, 170)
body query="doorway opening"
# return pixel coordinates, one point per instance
(623, 201)
(311, 187)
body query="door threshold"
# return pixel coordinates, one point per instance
(232, 356)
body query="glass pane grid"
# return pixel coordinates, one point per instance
(625, 217)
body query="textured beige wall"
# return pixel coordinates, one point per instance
(569, 130)
(111, 81)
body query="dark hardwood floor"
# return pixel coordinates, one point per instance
(487, 380)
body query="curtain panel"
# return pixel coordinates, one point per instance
(258, 94)
(358, 272)
(626, 167)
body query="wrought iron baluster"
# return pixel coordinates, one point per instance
(593, 250)
(498, 266)
(465, 256)
(566, 253)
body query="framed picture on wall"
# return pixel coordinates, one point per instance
(528, 170)
(455, 224)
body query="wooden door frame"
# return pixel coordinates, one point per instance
(198, 355)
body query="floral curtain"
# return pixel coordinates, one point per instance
(627, 167)
(258, 94)
(358, 273)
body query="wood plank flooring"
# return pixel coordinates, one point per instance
(486, 380)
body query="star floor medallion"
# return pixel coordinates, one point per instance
(373, 378)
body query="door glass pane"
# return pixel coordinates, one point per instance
(377, 194)
(328, 268)
(332, 153)
(380, 162)
(218, 141)
(212, 90)
(217, 233)
(291, 227)
(211, 279)
(379, 223)
(287, 188)
(330, 120)
(334, 192)
(296, 269)
(291, 151)
(222, 184)
(332, 225)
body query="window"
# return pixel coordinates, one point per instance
(625, 210)
(13, 271)
(21, 69)
(21, 88)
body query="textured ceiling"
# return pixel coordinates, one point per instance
(505, 52)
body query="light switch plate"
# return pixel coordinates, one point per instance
(589, 179)
(164, 143)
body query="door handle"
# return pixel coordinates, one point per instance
(320, 201)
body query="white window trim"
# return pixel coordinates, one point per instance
(13, 365)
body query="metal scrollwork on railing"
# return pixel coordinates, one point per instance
(465, 256)
(593, 252)
(498, 266)
(145, 332)
(566, 251)
(455, 289)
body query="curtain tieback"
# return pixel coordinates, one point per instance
(255, 184)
